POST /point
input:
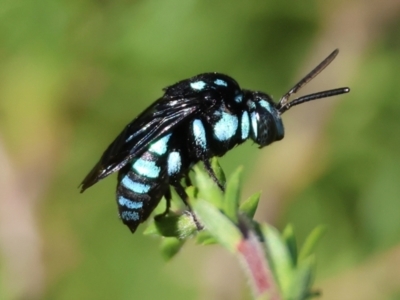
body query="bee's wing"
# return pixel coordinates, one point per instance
(156, 121)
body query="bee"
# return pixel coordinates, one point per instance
(196, 119)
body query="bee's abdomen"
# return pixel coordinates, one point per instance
(142, 184)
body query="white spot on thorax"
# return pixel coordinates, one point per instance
(199, 133)
(226, 127)
(198, 85)
(174, 163)
(245, 125)
(221, 82)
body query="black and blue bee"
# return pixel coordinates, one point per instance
(195, 120)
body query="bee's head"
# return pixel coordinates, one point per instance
(265, 120)
(265, 115)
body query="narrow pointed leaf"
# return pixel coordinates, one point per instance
(302, 279)
(311, 241)
(249, 206)
(219, 226)
(232, 196)
(170, 247)
(218, 170)
(280, 257)
(290, 240)
(208, 190)
(192, 192)
(205, 238)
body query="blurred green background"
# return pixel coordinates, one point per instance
(74, 73)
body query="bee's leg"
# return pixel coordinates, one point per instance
(210, 172)
(188, 182)
(168, 198)
(185, 198)
(182, 193)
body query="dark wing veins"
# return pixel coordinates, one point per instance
(157, 120)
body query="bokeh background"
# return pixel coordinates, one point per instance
(74, 73)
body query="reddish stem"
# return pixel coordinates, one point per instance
(252, 257)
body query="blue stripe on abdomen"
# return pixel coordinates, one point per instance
(130, 216)
(160, 147)
(135, 186)
(128, 203)
(146, 168)
(142, 184)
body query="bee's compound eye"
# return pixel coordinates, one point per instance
(238, 97)
(266, 123)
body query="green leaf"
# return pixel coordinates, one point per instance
(208, 190)
(179, 226)
(151, 229)
(219, 226)
(302, 279)
(219, 173)
(192, 192)
(311, 241)
(205, 238)
(170, 247)
(232, 196)
(249, 206)
(290, 240)
(264, 297)
(279, 256)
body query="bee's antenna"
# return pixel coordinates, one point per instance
(284, 104)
